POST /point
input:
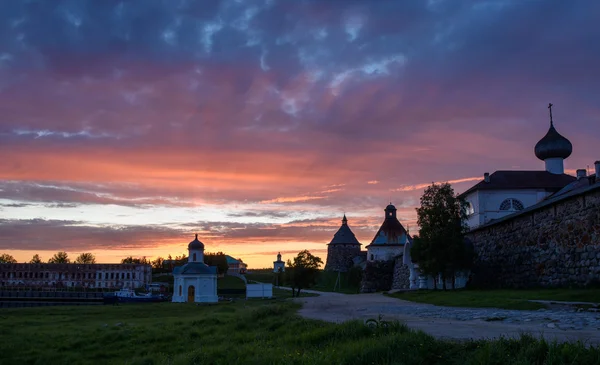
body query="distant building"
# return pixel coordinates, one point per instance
(389, 240)
(506, 192)
(76, 275)
(195, 281)
(236, 266)
(279, 265)
(343, 249)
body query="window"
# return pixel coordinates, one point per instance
(179, 289)
(511, 204)
(194, 257)
(469, 208)
(372, 257)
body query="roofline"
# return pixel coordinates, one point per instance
(540, 205)
(386, 244)
(341, 243)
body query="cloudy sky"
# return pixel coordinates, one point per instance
(128, 125)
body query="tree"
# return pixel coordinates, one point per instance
(7, 259)
(157, 263)
(36, 259)
(217, 259)
(86, 258)
(135, 260)
(440, 247)
(302, 272)
(60, 257)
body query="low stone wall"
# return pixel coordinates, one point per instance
(554, 245)
(377, 276)
(340, 257)
(401, 274)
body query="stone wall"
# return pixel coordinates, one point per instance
(401, 274)
(340, 257)
(550, 246)
(377, 276)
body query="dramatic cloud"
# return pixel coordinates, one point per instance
(148, 115)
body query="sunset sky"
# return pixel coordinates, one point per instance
(128, 126)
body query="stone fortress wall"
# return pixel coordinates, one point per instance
(340, 257)
(553, 244)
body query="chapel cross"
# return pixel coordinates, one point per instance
(550, 107)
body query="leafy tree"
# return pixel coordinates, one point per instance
(86, 258)
(136, 260)
(217, 259)
(7, 259)
(355, 275)
(157, 263)
(60, 257)
(302, 272)
(440, 247)
(35, 259)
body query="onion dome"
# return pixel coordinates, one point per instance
(196, 244)
(553, 144)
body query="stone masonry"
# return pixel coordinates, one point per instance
(378, 276)
(401, 278)
(340, 257)
(552, 245)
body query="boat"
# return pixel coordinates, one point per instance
(130, 296)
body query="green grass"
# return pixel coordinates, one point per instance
(230, 282)
(507, 299)
(248, 332)
(325, 282)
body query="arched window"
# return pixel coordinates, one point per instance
(511, 204)
(179, 289)
(372, 257)
(194, 257)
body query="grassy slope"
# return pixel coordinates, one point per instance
(326, 281)
(508, 299)
(255, 332)
(230, 282)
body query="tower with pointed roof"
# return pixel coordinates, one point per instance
(389, 240)
(343, 249)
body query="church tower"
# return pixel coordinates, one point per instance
(196, 251)
(553, 149)
(342, 249)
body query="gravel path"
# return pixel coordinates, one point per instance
(456, 323)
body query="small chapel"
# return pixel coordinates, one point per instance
(195, 281)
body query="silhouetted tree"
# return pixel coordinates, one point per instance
(135, 260)
(302, 272)
(35, 259)
(60, 257)
(440, 247)
(86, 258)
(217, 259)
(7, 259)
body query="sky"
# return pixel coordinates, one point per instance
(128, 126)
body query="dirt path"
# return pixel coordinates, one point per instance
(444, 322)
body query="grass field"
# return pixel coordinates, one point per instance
(326, 281)
(230, 282)
(248, 332)
(507, 299)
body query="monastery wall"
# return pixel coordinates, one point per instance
(556, 244)
(401, 279)
(340, 257)
(377, 276)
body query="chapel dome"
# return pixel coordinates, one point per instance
(553, 145)
(390, 207)
(196, 244)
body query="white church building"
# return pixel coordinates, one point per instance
(506, 192)
(195, 281)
